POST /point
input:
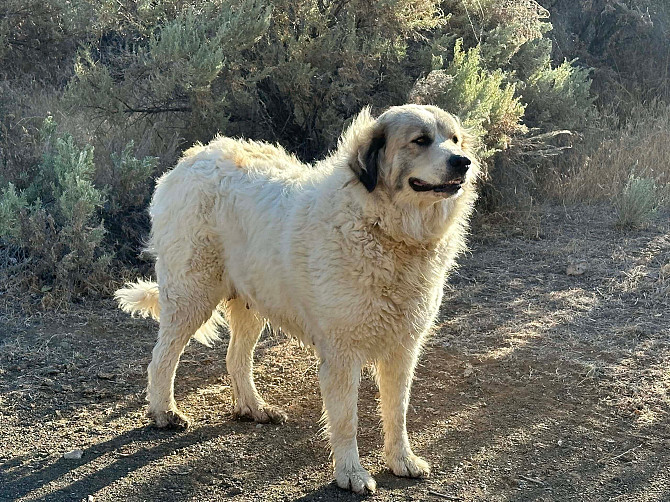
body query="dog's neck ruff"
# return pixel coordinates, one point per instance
(412, 226)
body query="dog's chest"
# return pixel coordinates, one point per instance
(400, 293)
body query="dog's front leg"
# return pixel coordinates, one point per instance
(394, 377)
(339, 388)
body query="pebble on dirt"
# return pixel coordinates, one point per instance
(73, 455)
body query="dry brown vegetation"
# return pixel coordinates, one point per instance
(640, 146)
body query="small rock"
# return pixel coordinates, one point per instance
(105, 376)
(235, 490)
(469, 370)
(90, 498)
(578, 267)
(73, 455)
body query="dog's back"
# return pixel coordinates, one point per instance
(232, 196)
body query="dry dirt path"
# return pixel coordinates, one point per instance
(538, 386)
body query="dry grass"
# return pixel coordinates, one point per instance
(640, 147)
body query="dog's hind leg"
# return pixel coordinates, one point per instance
(245, 329)
(184, 308)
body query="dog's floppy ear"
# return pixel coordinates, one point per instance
(363, 142)
(369, 163)
(366, 163)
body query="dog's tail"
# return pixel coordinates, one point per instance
(141, 298)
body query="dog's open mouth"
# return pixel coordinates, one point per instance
(450, 187)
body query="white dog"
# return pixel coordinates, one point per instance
(349, 256)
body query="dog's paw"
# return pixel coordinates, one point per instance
(409, 466)
(171, 419)
(356, 479)
(262, 413)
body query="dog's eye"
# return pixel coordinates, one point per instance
(455, 139)
(423, 141)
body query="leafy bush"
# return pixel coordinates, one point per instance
(293, 72)
(166, 80)
(624, 41)
(558, 97)
(508, 91)
(484, 102)
(55, 219)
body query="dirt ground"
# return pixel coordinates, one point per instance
(539, 385)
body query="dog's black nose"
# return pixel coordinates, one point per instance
(460, 164)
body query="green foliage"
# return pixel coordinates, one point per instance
(11, 205)
(509, 27)
(131, 177)
(637, 203)
(167, 78)
(56, 221)
(486, 104)
(281, 70)
(558, 98)
(37, 36)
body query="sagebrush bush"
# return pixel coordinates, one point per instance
(57, 220)
(637, 203)
(558, 97)
(626, 41)
(285, 71)
(484, 102)
(134, 83)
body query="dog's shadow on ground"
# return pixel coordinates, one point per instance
(121, 466)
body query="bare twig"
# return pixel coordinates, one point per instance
(622, 454)
(443, 495)
(532, 480)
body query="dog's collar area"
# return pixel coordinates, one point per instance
(451, 187)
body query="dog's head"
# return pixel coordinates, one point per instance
(420, 154)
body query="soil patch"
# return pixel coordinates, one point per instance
(538, 385)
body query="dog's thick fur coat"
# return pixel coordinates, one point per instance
(349, 256)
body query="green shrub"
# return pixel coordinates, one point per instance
(167, 79)
(482, 99)
(287, 71)
(129, 183)
(637, 203)
(508, 91)
(57, 220)
(558, 98)
(11, 205)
